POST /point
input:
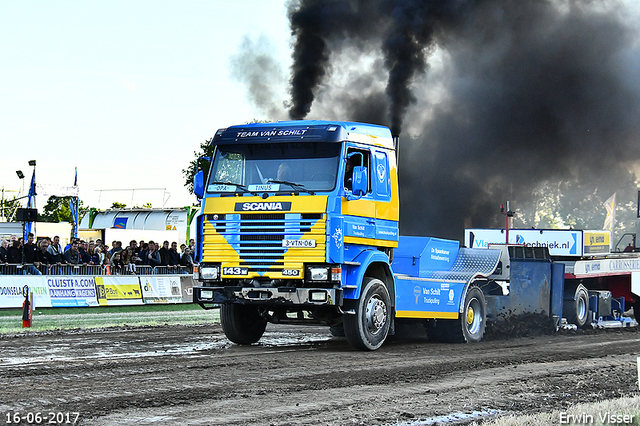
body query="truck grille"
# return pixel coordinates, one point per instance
(256, 240)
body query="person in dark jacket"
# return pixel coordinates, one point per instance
(30, 249)
(175, 256)
(72, 255)
(165, 256)
(4, 250)
(44, 258)
(153, 257)
(55, 249)
(14, 254)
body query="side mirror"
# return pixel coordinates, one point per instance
(198, 184)
(360, 181)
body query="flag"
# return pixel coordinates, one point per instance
(31, 203)
(73, 205)
(610, 219)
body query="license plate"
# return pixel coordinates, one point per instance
(298, 243)
(230, 270)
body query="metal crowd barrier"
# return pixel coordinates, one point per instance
(92, 270)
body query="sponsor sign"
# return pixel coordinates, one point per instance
(71, 290)
(113, 291)
(161, 289)
(11, 291)
(271, 133)
(606, 266)
(186, 288)
(49, 291)
(597, 242)
(560, 242)
(428, 297)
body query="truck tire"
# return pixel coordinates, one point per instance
(576, 306)
(636, 310)
(469, 327)
(242, 324)
(337, 330)
(368, 328)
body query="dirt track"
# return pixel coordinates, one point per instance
(301, 376)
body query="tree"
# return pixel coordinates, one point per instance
(57, 210)
(8, 208)
(578, 203)
(117, 205)
(198, 163)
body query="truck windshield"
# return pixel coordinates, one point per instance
(310, 166)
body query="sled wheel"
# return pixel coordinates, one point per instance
(576, 306)
(469, 327)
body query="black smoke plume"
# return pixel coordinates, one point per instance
(493, 98)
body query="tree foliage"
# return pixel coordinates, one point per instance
(198, 163)
(9, 208)
(57, 209)
(578, 203)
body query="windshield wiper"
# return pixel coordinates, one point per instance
(237, 185)
(293, 185)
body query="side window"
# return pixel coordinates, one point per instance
(357, 158)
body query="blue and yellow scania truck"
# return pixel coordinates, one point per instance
(299, 225)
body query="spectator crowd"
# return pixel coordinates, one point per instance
(47, 256)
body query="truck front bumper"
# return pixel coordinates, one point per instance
(269, 296)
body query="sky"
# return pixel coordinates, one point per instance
(125, 91)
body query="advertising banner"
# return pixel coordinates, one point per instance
(561, 242)
(161, 289)
(11, 288)
(427, 298)
(597, 242)
(49, 291)
(123, 290)
(186, 287)
(71, 291)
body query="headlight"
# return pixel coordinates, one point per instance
(318, 274)
(206, 294)
(209, 273)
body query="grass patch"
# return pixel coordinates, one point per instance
(48, 319)
(597, 414)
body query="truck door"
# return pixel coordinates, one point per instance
(359, 214)
(386, 214)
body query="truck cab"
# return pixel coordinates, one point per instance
(297, 225)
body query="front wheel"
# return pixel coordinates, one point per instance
(242, 324)
(368, 328)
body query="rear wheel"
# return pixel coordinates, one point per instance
(242, 324)
(576, 306)
(636, 309)
(368, 328)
